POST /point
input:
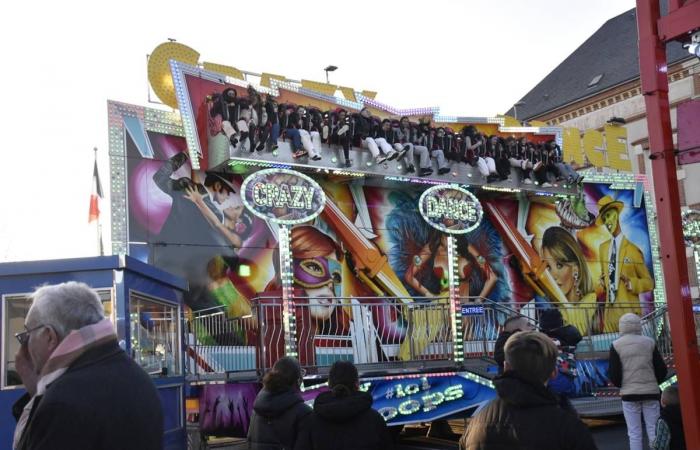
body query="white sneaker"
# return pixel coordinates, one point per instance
(545, 184)
(527, 181)
(380, 159)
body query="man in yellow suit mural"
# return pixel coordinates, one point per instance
(624, 275)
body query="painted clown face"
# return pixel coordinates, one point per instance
(320, 278)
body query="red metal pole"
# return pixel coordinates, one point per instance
(653, 71)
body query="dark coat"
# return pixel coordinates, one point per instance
(499, 353)
(276, 420)
(671, 414)
(344, 423)
(568, 336)
(526, 416)
(103, 401)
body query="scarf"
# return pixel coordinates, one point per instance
(69, 349)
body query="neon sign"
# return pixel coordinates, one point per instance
(282, 196)
(451, 209)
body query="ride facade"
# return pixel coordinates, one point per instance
(333, 228)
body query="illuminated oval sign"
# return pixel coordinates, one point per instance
(282, 196)
(450, 209)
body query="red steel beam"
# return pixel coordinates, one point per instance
(678, 23)
(653, 72)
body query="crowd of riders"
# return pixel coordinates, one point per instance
(256, 122)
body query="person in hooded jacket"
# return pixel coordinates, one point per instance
(279, 410)
(515, 419)
(637, 368)
(343, 418)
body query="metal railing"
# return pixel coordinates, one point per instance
(387, 332)
(320, 331)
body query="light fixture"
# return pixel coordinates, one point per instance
(330, 69)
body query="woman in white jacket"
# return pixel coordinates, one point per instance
(637, 368)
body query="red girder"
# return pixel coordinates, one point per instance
(654, 33)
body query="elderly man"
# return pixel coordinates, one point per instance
(83, 391)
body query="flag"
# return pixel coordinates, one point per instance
(96, 193)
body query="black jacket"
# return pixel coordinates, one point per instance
(389, 135)
(671, 414)
(568, 336)
(276, 420)
(103, 401)
(344, 423)
(526, 416)
(364, 127)
(499, 353)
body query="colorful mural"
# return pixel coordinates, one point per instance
(372, 243)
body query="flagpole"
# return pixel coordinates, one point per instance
(100, 247)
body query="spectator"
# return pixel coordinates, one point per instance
(515, 419)
(83, 391)
(669, 427)
(552, 324)
(511, 326)
(279, 410)
(637, 368)
(565, 337)
(343, 418)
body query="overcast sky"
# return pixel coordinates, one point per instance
(63, 60)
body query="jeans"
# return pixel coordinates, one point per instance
(296, 138)
(633, 412)
(566, 170)
(439, 156)
(275, 133)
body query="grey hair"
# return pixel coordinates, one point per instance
(66, 307)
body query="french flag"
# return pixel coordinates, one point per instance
(96, 194)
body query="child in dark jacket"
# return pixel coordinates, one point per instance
(343, 417)
(669, 427)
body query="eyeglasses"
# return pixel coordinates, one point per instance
(23, 336)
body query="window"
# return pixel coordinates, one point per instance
(15, 309)
(595, 80)
(155, 335)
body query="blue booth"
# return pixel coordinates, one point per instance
(145, 305)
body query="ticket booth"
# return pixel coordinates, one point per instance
(145, 305)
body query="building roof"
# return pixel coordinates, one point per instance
(610, 55)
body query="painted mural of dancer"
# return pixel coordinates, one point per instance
(418, 254)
